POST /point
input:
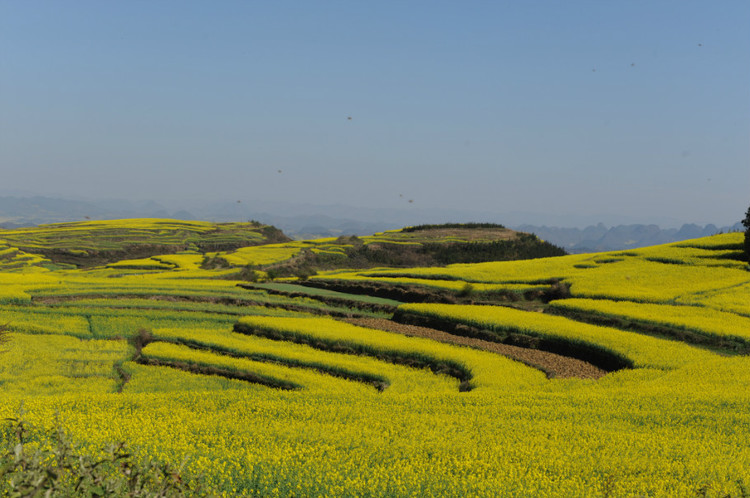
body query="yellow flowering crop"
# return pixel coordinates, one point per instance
(270, 372)
(143, 263)
(485, 369)
(392, 378)
(643, 351)
(704, 320)
(677, 424)
(13, 295)
(262, 255)
(733, 299)
(52, 364)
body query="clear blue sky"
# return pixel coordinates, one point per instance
(639, 108)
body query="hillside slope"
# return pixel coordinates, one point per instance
(265, 391)
(93, 243)
(426, 245)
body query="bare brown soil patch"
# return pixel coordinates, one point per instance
(554, 365)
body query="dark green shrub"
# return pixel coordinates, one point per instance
(272, 274)
(467, 290)
(62, 471)
(249, 274)
(444, 226)
(214, 262)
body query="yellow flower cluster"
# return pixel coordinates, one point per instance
(13, 260)
(642, 351)
(14, 295)
(36, 365)
(485, 370)
(261, 255)
(453, 284)
(704, 320)
(142, 264)
(392, 378)
(733, 299)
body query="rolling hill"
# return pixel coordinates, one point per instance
(606, 374)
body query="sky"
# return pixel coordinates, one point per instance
(633, 108)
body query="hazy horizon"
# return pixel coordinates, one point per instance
(297, 212)
(639, 110)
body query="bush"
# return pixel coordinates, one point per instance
(214, 262)
(27, 470)
(305, 273)
(467, 290)
(272, 274)
(249, 274)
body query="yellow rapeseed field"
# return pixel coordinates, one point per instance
(374, 413)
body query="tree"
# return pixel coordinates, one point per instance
(746, 223)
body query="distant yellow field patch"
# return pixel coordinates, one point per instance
(144, 263)
(735, 239)
(262, 255)
(181, 261)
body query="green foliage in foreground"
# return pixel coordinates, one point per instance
(51, 466)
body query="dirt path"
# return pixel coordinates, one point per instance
(554, 365)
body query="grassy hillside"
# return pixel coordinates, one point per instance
(269, 390)
(256, 247)
(429, 245)
(92, 243)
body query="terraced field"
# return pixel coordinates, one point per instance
(426, 245)
(617, 374)
(91, 243)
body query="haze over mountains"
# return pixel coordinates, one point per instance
(302, 221)
(599, 238)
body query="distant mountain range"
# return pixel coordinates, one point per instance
(598, 238)
(29, 211)
(306, 222)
